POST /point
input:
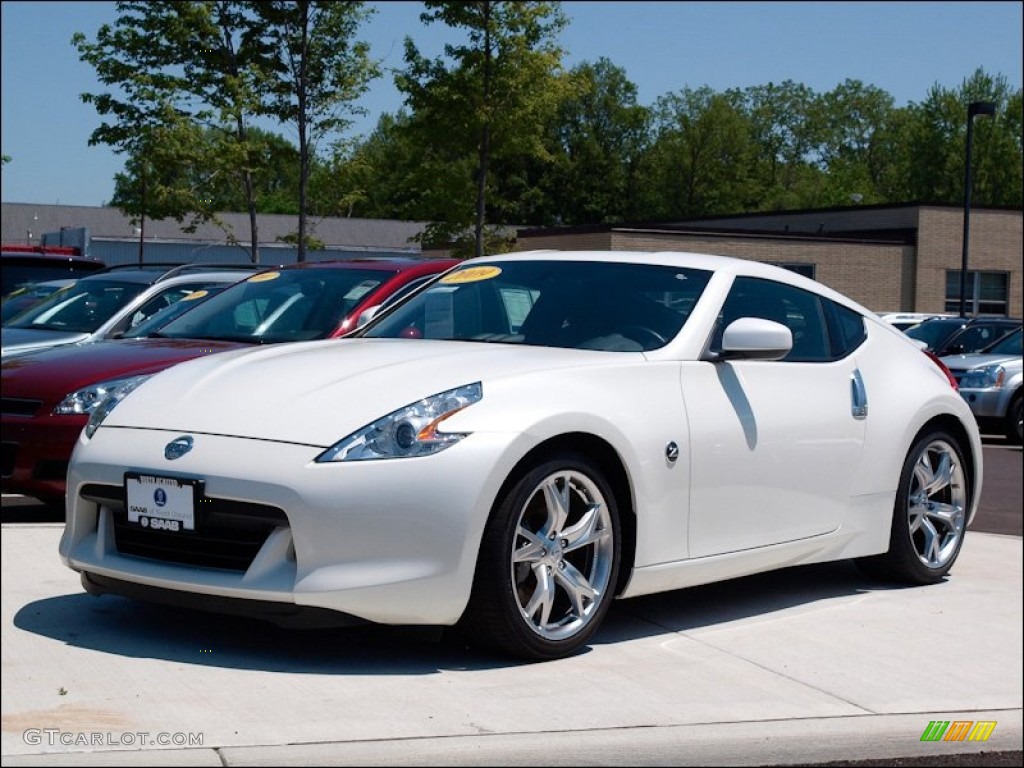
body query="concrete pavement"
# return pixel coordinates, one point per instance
(811, 664)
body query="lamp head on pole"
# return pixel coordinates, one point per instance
(981, 108)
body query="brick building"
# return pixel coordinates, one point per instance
(888, 257)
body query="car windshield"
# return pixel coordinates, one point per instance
(18, 301)
(285, 305)
(570, 304)
(934, 332)
(82, 308)
(1008, 345)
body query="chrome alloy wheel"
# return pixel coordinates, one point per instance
(563, 555)
(936, 504)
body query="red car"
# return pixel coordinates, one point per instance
(48, 395)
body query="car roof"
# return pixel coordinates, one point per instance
(397, 264)
(47, 257)
(157, 273)
(1009, 321)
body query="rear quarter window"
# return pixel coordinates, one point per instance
(845, 329)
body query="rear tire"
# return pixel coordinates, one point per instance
(929, 518)
(548, 562)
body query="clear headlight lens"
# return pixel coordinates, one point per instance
(409, 431)
(98, 400)
(989, 377)
(86, 399)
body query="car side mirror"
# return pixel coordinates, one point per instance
(754, 338)
(955, 349)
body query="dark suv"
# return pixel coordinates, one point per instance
(961, 335)
(24, 265)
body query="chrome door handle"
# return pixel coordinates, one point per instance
(858, 396)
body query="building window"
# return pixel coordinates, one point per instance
(807, 270)
(987, 292)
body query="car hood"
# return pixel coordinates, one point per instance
(315, 393)
(50, 374)
(978, 360)
(18, 341)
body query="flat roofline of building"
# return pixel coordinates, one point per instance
(901, 236)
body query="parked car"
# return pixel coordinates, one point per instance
(22, 265)
(961, 335)
(49, 394)
(521, 441)
(28, 295)
(990, 382)
(107, 304)
(903, 320)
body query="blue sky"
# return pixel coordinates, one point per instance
(902, 47)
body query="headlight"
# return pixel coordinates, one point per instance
(86, 399)
(98, 400)
(409, 431)
(989, 377)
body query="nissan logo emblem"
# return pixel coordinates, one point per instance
(178, 447)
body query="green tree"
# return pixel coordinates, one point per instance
(783, 132)
(373, 178)
(155, 183)
(314, 70)
(191, 167)
(493, 93)
(597, 138)
(699, 163)
(936, 144)
(176, 62)
(852, 150)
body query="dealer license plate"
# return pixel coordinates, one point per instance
(161, 503)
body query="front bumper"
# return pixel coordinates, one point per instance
(391, 541)
(989, 403)
(36, 451)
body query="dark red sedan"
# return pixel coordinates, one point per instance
(48, 395)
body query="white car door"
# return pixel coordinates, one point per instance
(774, 445)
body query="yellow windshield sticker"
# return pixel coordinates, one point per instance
(471, 275)
(194, 295)
(264, 276)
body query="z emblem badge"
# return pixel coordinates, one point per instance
(178, 447)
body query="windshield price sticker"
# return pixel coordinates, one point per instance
(161, 503)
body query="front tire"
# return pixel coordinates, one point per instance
(548, 562)
(930, 515)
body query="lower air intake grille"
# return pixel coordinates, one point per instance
(228, 533)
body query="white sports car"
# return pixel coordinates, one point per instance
(528, 437)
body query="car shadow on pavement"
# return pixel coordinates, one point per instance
(760, 595)
(120, 626)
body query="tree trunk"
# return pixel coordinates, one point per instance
(303, 132)
(485, 138)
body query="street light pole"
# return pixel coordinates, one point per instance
(974, 108)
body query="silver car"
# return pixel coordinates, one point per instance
(108, 304)
(990, 383)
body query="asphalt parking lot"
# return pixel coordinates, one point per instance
(807, 665)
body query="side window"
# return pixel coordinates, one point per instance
(797, 309)
(845, 329)
(161, 300)
(975, 337)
